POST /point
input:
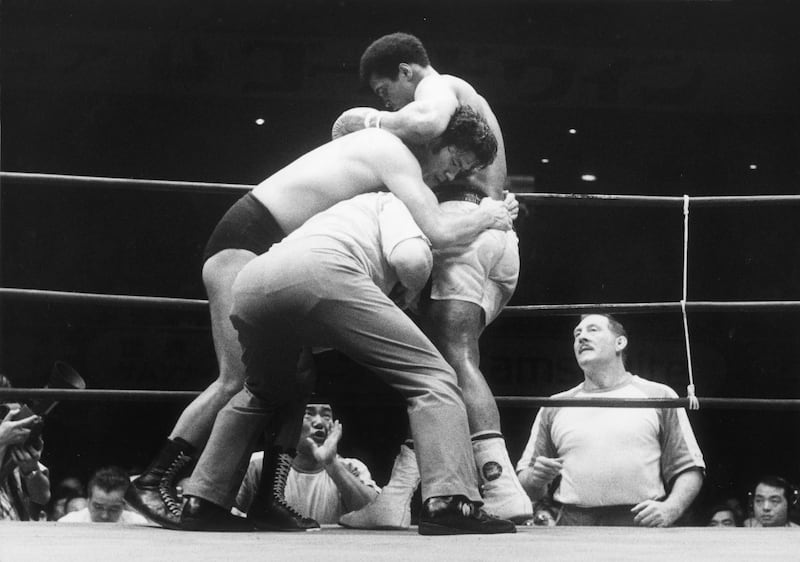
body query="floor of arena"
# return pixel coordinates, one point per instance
(34, 542)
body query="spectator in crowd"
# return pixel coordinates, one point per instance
(321, 484)
(723, 515)
(772, 499)
(617, 466)
(24, 481)
(67, 489)
(106, 501)
(75, 503)
(723, 512)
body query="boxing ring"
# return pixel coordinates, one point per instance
(46, 541)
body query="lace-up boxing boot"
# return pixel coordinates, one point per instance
(269, 510)
(154, 494)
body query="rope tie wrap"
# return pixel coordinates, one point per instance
(694, 403)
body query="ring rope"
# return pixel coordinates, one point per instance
(25, 178)
(513, 311)
(690, 388)
(510, 401)
(60, 180)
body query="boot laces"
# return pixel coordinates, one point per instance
(166, 486)
(282, 468)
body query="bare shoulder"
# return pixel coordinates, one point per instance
(463, 89)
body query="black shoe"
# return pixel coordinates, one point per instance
(202, 515)
(456, 515)
(277, 515)
(155, 503)
(154, 494)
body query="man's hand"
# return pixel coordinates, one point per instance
(499, 213)
(545, 470)
(652, 513)
(355, 119)
(512, 205)
(13, 432)
(325, 453)
(27, 456)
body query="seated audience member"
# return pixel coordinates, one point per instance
(24, 481)
(76, 503)
(618, 466)
(321, 484)
(772, 498)
(723, 515)
(67, 489)
(106, 501)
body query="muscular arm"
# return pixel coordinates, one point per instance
(427, 117)
(402, 175)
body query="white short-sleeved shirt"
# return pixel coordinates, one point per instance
(314, 494)
(614, 456)
(83, 516)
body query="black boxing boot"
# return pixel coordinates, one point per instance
(457, 515)
(202, 515)
(269, 510)
(154, 493)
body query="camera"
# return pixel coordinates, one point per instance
(62, 376)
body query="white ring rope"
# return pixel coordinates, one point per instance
(694, 404)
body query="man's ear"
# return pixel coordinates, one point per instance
(621, 343)
(405, 70)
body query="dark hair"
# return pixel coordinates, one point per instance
(615, 325)
(468, 131)
(777, 482)
(716, 508)
(385, 54)
(616, 328)
(108, 479)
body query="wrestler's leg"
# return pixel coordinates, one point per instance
(455, 327)
(153, 493)
(219, 272)
(367, 326)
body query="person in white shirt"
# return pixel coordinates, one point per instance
(617, 466)
(321, 484)
(106, 501)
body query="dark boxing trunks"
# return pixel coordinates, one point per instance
(248, 225)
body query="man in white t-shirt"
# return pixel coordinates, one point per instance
(321, 484)
(772, 499)
(617, 466)
(106, 503)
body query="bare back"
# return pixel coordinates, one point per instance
(335, 171)
(361, 162)
(492, 179)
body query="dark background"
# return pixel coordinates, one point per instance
(668, 98)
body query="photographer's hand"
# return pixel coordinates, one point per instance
(27, 458)
(14, 432)
(35, 480)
